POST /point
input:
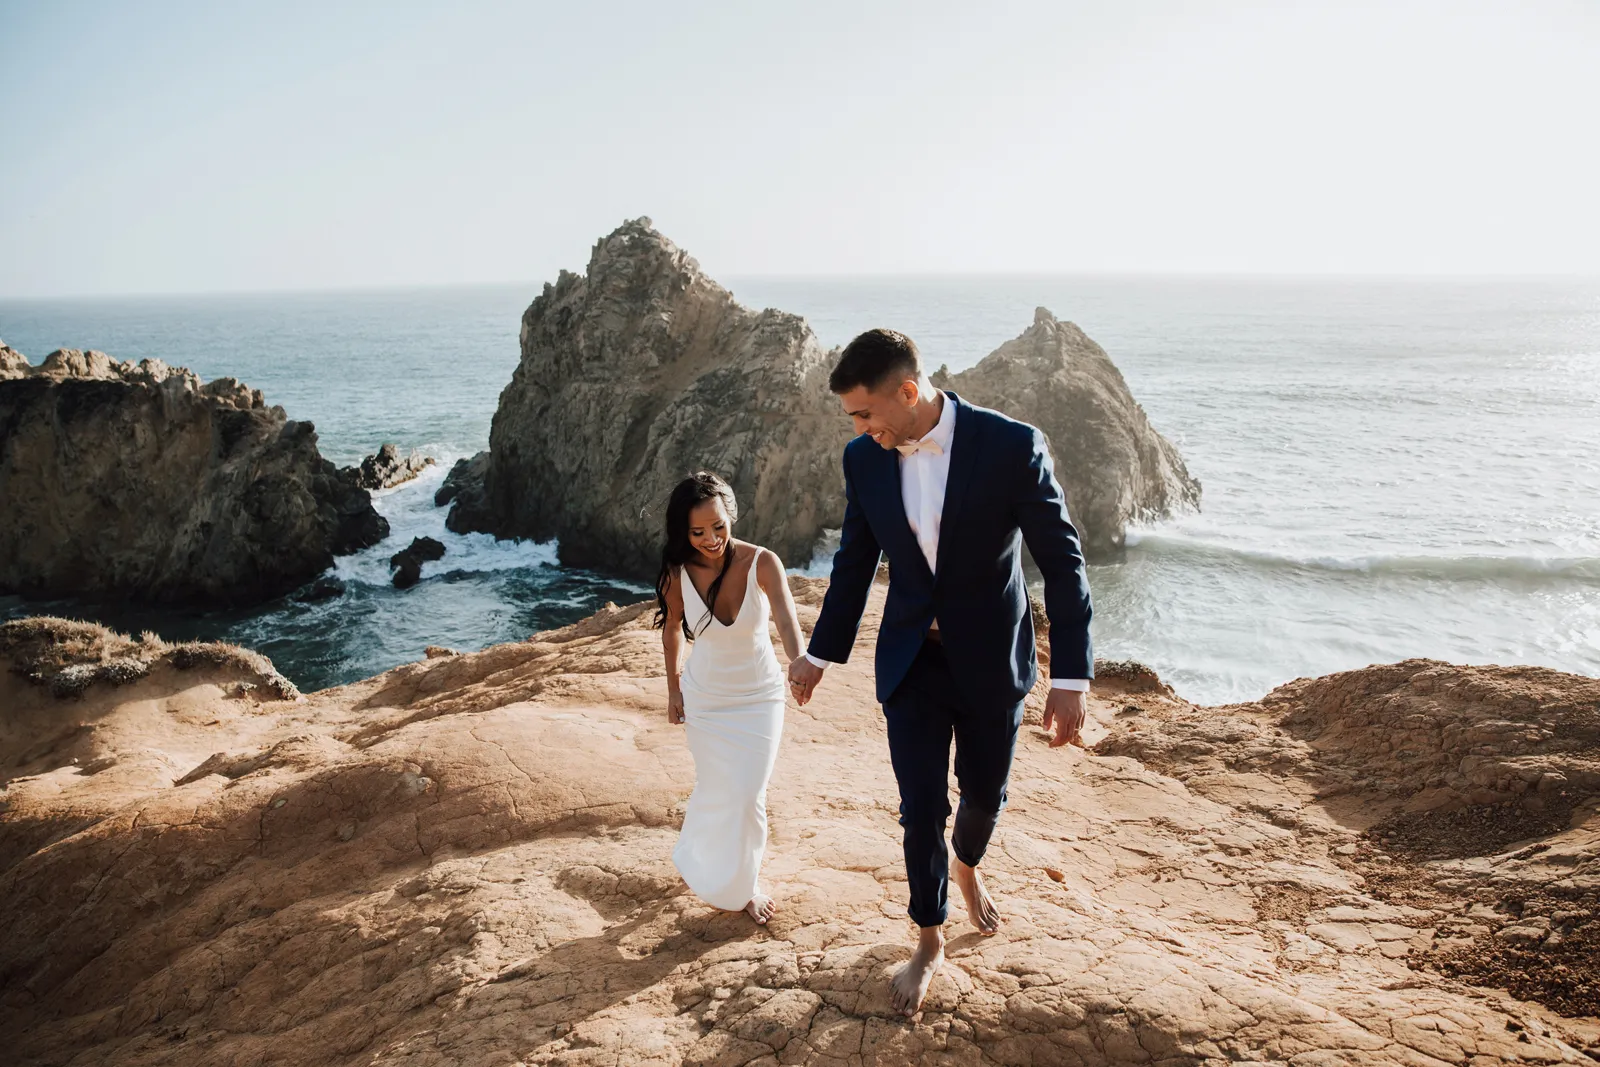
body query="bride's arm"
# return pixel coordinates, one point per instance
(672, 648)
(769, 573)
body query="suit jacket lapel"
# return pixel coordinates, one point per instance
(963, 464)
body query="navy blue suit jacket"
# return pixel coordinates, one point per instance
(1002, 491)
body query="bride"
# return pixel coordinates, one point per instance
(730, 695)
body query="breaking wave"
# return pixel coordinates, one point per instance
(1522, 569)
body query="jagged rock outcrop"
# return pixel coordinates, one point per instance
(639, 373)
(407, 563)
(12, 362)
(1113, 466)
(464, 484)
(466, 860)
(387, 468)
(138, 481)
(644, 370)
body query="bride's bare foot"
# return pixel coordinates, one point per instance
(910, 985)
(980, 908)
(761, 908)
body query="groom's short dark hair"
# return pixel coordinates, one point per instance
(875, 358)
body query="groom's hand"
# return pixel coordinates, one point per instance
(803, 678)
(1065, 711)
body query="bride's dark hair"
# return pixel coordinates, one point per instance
(676, 551)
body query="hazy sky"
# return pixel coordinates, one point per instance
(169, 146)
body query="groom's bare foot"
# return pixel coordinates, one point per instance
(911, 982)
(761, 908)
(980, 906)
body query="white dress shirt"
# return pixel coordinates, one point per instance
(924, 473)
(923, 477)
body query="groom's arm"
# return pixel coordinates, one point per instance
(854, 565)
(1041, 513)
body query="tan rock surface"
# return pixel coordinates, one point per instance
(1115, 469)
(12, 362)
(466, 861)
(122, 480)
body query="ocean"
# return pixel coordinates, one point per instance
(1391, 467)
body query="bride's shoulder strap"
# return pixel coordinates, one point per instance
(763, 567)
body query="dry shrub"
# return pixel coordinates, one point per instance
(69, 655)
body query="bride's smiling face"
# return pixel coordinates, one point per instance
(710, 531)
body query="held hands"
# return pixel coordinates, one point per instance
(803, 678)
(1064, 713)
(675, 708)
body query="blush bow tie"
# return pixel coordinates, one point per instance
(911, 448)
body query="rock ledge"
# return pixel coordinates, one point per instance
(467, 860)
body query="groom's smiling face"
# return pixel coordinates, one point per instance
(887, 414)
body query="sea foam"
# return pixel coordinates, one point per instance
(411, 512)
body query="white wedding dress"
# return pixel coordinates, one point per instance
(733, 694)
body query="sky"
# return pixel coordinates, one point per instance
(197, 147)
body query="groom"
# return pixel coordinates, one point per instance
(948, 491)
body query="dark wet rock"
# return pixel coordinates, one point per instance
(324, 588)
(407, 563)
(464, 485)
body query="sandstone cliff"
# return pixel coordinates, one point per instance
(466, 861)
(138, 481)
(637, 374)
(1114, 467)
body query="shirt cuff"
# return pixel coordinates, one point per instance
(1078, 685)
(821, 664)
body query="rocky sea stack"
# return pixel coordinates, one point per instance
(1114, 467)
(387, 468)
(632, 377)
(138, 481)
(644, 370)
